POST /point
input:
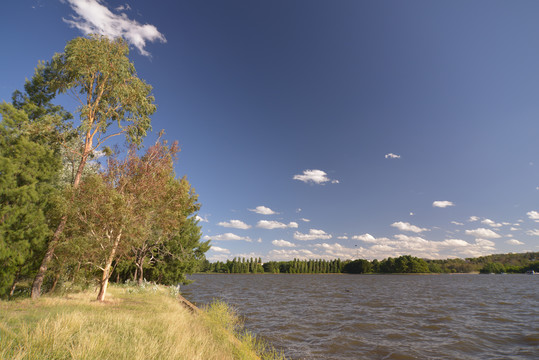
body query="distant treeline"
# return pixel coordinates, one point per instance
(406, 264)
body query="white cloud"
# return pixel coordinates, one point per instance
(305, 220)
(533, 232)
(123, 7)
(491, 223)
(392, 156)
(95, 18)
(454, 243)
(533, 215)
(442, 203)
(236, 224)
(226, 237)
(283, 243)
(314, 176)
(483, 233)
(201, 219)
(263, 210)
(410, 241)
(485, 243)
(343, 237)
(473, 218)
(266, 224)
(220, 250)
(405, 226)
(313, 234)
(514, 242)
(289, 254)
(364, 237)
(456, 223)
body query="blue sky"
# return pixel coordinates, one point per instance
(324, 129)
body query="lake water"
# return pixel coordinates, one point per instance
(384, 316)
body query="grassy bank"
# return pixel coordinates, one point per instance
(133, 323)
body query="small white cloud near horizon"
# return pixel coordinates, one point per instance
(227, 237)
(262, 210)
(220, 250)
(313, 234)
(514, 242)
(392, 156)
(236, 224)
(266, 224)
(315, 176)
(283, 243)
(442, 203)
(483, 233)
(95, 18)
(405, 226)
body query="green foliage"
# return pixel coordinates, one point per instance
(359, 266)
(403, 264)
(492, 268)
(29, 168)
(98, 72)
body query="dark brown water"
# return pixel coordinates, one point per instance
(384, 316)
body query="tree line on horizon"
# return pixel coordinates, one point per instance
(405, 264)
(74, 212)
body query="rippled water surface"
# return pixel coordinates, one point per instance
(384, 316)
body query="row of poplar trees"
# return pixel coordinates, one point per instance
(66, 217)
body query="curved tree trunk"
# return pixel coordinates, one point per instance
(40, 276)
(106, 269)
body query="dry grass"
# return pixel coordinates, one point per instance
(131, 324)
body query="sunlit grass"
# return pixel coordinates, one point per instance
(131, 324)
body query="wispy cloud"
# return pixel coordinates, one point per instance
(392, 156)
(266, 224)
(123, 7)
(227, 237)
(201, 219)
(262, 210)
(283, 243)
(405, 226)
(442, 203)
(315, 176)
(514, 242)
(220, 250)
(94, 18)
(483, 233)
(313, 234)
(236, 224)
